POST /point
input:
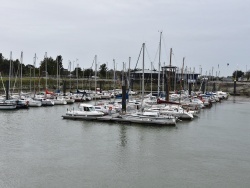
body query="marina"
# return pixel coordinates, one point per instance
(124, 94)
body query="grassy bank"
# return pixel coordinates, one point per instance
(31, 84)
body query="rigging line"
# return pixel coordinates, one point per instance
(175, 59)
(138, 57)
(148, 54)
(164, 44)
(156, 55)
(153, 67)
(17, 74)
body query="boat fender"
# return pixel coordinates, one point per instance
(158, 101)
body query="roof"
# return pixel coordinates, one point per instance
(86, 105)
(146, 71)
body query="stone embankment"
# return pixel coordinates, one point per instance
(242, 88)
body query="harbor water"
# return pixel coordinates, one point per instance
(40, 149)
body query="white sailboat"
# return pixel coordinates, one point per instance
(43, 98)
(172, 110)
(31, 101)
(6, 104)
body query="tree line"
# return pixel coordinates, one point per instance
(50, 67)
(55, 67)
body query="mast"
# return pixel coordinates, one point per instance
(142, 87)
(169, 75)
(21, 71)
(39, 80)
(34, 74)
(70, 75)
(10, 71)
(114, 74)
(95, 75)
(57, 78)
(175, 72)
(46, 71)
(151, 78)
(123, 90)
(77, 65)
(159, 67)
(123, 67)
(129, 84)
(163, 76)
(182, 72)
(30, 78)
(129, 73)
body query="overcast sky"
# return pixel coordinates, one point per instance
(209, 33)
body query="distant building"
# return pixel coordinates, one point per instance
(189, 77)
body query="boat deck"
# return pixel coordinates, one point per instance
(120, 119)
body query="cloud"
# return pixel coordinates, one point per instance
(206, 32)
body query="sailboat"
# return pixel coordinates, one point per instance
(4, 104)
(148, 117)
(14, 100)
(43, 98)
(58, 100)
(31, 101)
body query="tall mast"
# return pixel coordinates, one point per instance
(159, 67)
(21, 71)
(123, 67)
(70, 75)
(163, 76)
(142, 87)
(95, 75)
(151, 78)
(169, 74)
(10, 71)
(128, 81)
(77, 65)
(57, 87)
(114, 74)
(182, 71)
(34, 74)
(129, 73)
(46, 71)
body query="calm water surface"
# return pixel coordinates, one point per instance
(40, 149)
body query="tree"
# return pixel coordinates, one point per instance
(59, 60)
(5, 66)
(88, 73)
(237, 74)
(103, 70)
(78, 71)
(52, 65)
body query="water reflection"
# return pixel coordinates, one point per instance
(123, 137)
